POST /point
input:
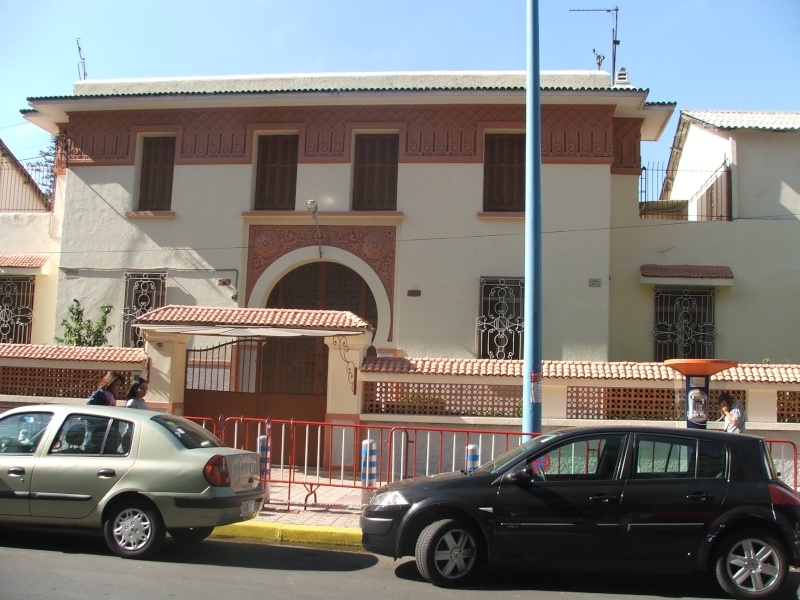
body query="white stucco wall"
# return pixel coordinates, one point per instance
(200, 244)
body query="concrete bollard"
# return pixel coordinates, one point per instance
(473, 458)
(369, 468)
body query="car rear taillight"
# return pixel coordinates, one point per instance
(216, 471)
(781, 495)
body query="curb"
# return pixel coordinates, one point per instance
(306, 534)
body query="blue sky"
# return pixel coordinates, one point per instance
(702, 54)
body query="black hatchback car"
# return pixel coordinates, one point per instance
(648, 499)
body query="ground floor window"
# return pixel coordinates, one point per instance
(16, 309)
(684, 323)
(143, 293)
(501, 318)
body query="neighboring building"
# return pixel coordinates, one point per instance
(720, 274)
(29, 245)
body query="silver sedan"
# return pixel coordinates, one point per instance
(136, 475)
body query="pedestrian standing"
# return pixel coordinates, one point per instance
(106, 394)
(136, 394)
(733, 412)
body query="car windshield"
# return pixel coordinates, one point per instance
(190, 434)
(512, 456)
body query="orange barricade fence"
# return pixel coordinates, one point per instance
(315, 454)
(309, 456)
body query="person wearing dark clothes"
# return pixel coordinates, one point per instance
(106, 394)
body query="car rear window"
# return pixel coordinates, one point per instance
(188, 433)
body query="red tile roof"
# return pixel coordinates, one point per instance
(629, 371)
(690, 271)
(73, 353)
(30, 261)
(254, 317)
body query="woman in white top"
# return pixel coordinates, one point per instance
(136, 394)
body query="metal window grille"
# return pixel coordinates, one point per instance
(16, 309)
(158, 165)
(143, 293)
(684, 326)
(501, 321)
(504, 173)
(375, 171)
(276, 172)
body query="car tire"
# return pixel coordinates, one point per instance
(134, 529)
(448, 553)
(751, 564)
(191, 535)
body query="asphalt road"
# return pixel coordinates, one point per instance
(37, 564)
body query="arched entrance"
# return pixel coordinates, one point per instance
(300, 366)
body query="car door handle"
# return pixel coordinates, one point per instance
(16, 471)
(700, 497)
(604, 498)
(106, 473)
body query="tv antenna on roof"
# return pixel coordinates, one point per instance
(81, 65)
(614, 40)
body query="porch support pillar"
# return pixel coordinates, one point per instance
(167, 354)
(345, 356)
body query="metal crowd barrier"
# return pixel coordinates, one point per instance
(312, 456)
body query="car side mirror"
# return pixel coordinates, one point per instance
(523, 475)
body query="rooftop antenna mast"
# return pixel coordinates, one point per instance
(82, 64)
(614, 40)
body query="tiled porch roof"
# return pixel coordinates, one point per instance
(104, 354)
(254, 317)
(631, 371)
(688, 271)
(26, 261)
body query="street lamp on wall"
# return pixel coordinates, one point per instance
(312, 207)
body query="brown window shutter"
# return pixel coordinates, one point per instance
(158, 165)
(375, 163)
(276, 172)
(504, 173)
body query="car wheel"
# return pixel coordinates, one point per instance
(134, 529)
(191, 535)
(751, 564)
(447, 553)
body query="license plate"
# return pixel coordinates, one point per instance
(248, 508)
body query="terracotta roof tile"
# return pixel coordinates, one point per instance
(689, 271)
(628, 371)
(31, 261)
(73, 353)
(254, 317)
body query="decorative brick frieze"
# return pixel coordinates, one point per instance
(570, 133)
(375, 245)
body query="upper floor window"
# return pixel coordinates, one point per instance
(684, 326)
(276, 172)
(504, 173)
(155, 182)
(375, 171)
(501, 320)
(16, 309)
(143, 293)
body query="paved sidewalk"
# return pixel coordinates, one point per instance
(329, 516)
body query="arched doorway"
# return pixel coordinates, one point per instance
(300, 366)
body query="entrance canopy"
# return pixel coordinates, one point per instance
(251, 322)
